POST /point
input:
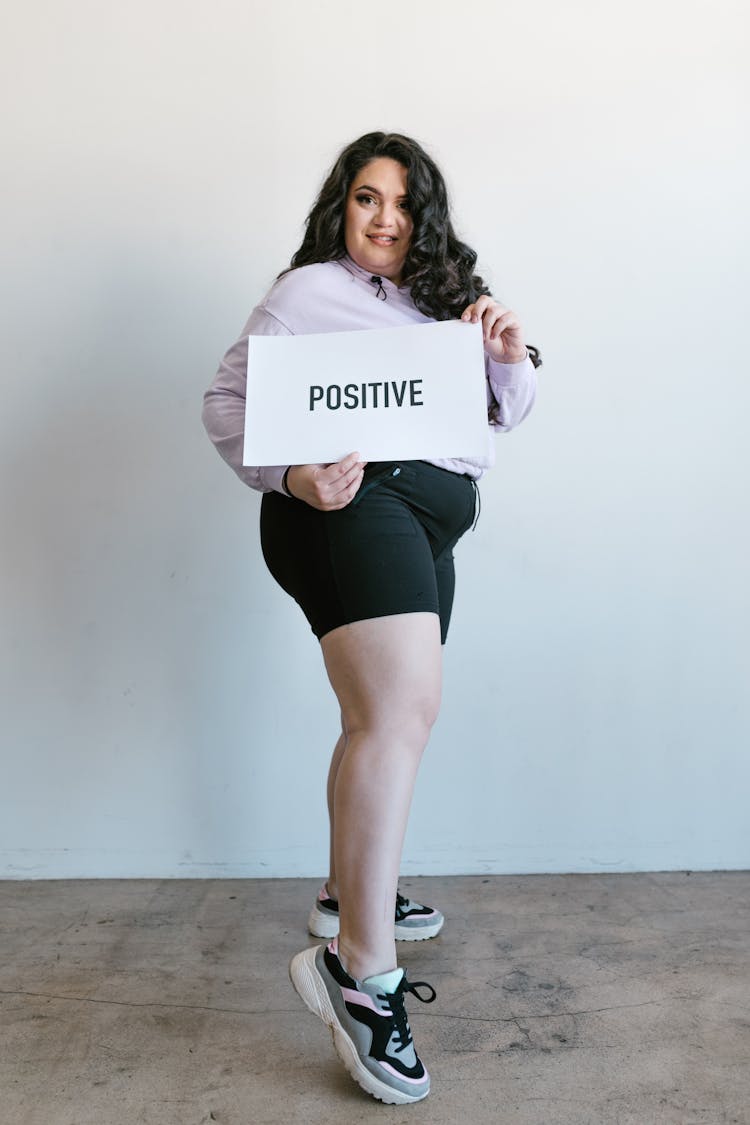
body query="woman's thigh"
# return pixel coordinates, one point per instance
(387, 673)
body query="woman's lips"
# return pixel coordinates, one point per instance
(382, 239)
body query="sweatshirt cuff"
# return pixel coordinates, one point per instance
(508, 374)
(271, 477)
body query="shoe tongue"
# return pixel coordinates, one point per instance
(385, 982)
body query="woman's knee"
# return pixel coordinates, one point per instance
(404, 718)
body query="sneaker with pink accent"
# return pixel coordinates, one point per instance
(370, 1028)
(412, 921)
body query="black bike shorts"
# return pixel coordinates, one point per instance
(390, 550)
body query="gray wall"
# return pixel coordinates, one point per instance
(166, 710)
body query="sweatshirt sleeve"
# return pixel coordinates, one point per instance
(511, 389)
(224, 406)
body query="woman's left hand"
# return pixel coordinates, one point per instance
(503, 335)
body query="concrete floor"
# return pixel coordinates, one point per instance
(562, 1000)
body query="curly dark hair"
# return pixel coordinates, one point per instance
(439, 268)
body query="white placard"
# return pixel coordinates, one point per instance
(388, 393)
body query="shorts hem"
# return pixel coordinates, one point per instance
(375, 617)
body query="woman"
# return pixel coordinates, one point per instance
(366, 550)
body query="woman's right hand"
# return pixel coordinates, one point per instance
(327, 487)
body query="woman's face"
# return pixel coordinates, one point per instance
(378, 225)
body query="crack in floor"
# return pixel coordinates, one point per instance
(533, 1016)
(290, 1011)
(156, 1004)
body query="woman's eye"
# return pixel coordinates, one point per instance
(403, 204)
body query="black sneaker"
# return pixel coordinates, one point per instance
(370, 1028)
(413, 922)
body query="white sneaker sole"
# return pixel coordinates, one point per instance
(327, 926)
(322, 925)
(312, 991)
(417, 933)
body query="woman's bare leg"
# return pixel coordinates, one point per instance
(338, 754)
(386, 674)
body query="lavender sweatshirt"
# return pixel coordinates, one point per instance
(339, 297)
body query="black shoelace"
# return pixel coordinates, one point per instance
(398, 1011)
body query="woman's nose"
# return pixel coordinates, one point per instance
(386, 215)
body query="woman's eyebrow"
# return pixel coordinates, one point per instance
(375, 191)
